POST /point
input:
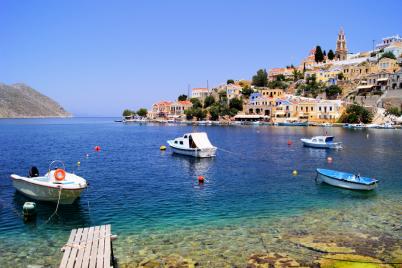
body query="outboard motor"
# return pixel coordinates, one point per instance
(33, 172)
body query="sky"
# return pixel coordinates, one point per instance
(97, 58)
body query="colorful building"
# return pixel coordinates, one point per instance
(199, 93)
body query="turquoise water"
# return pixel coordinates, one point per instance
(155, 205)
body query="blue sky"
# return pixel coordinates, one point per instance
(98, 57)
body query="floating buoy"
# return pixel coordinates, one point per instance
(294, 173)
(162, 148)
(29, 210)
(200, 179)
(78, 163)
(97, 148)
(367, 136)
(329, 159)
(290, 142)
(87, 155)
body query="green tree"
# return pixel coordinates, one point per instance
(223, 97)
(236, 104)
(182, 97)
(196, 103)
(189, 113)
(393, 111)
(356, 114)
(333, 91)
(297, 75)
(389, 55)
(214, 111)
(246, 91)
(230, 81)
(318, 55)
(209, 100)
(260, 79)
(128, 112)
(199, 113)
(341, 76)
(331, 55)
(142, 112)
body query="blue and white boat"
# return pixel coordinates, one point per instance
(326, 142)
(346, 180)
(293, 124)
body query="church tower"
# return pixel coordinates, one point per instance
(341, 49)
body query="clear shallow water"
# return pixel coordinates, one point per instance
(154, 204)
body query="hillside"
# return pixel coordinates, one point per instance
(20, 100)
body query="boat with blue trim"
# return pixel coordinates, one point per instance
(326, 142)
(346, 180)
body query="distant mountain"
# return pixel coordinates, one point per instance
(21, 101)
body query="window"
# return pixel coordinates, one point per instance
(319, 108)
(181, 142)
(175, 142)
(330, 108)
(185, 136)
(311, 109)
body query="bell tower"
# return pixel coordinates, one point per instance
(341, 49)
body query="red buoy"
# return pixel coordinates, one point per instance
(97, 148)
(200, 179)
(289, 142)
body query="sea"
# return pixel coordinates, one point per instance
(260, 200)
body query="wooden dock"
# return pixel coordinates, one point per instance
(89, 247)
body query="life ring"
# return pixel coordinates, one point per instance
(59, 174)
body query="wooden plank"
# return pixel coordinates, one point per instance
(82, 246)
(74, 250)
(108, 245)
(94, 250)
(67, 249)
(100, 256)
(88, 247)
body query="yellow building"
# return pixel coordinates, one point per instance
(323, 76)
(272, 93)
(388, 65)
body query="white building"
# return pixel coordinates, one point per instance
(199, 93)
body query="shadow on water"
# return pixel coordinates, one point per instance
(73, 215)
(347, 193)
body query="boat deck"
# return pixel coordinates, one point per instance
(89, 247)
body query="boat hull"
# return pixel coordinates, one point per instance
(307, 143)
(45, 193)
(345, 184)
(195, 153)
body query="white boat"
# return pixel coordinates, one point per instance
(194, 144)
(322, 142)
(54, 185)
(346, 180)
(359, 125)
(386, 126)
(326, 125)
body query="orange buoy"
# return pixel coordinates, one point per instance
(290, 142)
(59, 174)
(200, 179)
(97, 148)
(329, 159)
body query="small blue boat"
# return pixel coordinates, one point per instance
(346, 180)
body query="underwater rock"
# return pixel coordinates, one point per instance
(271, 260)
(351, 260)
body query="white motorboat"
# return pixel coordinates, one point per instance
(326, 124)
(322, 142)
(358, 126)
(194, 144)
(346, 180)
(386, 126)
(54, 185)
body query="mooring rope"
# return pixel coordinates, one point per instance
(57, 207)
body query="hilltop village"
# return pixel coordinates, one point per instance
(327, 86)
